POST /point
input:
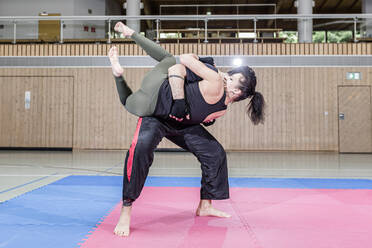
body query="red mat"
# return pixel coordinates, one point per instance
(298, 218)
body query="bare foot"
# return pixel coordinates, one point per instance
(122, 228)
(206, 209)
(211, 211)
(117, 70)
(124, 29)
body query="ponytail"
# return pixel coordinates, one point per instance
(255, 108)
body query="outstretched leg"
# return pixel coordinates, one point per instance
(123, 89)
(151, 48)
(142, 102)
(117, 70)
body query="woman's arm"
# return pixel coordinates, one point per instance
(176, 78)
(176, 74)
(214, 81)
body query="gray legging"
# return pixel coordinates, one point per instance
(143, 101)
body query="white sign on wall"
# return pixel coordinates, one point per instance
(27, 99)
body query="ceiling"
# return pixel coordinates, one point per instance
(153, 7)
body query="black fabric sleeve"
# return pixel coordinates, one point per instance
(191, 77)
(207, 60)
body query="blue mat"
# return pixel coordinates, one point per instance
(59, 214)
(62, 213)
(296, 183)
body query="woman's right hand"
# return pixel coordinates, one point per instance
(124, 29)
(179, 110)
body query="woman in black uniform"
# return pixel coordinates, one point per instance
(207, 97)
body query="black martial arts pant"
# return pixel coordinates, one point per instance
(195, 139)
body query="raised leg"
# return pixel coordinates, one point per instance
(123, 89)
(143, 101)
(117, 70)
(151, 48)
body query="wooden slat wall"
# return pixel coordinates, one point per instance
(49, 120)
(297, 99)
(201, 49)
(100, 119)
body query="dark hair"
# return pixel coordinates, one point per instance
(255, 108)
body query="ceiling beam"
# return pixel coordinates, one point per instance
(321, 6)
(338, 4)
(353, 4)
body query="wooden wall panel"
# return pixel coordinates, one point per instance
(48, 122)
(101, 122)
(301, 110)
(202, 49)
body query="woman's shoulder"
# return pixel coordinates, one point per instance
(211, 94)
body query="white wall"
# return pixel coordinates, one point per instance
(81, 9)
(29, 29)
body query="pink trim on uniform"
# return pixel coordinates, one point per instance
(132, 148)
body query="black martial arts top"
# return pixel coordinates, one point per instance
(199, 109)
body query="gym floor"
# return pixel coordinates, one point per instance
(291, 199)
(22, 171)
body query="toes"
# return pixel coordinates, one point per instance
(121, 232)
(225, 215)
(118, 233)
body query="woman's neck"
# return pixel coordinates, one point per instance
(228, 98)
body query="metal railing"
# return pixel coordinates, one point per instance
(158, 18)
(218, 5)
